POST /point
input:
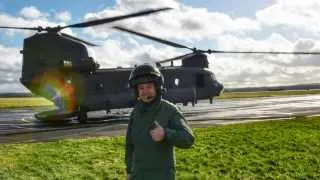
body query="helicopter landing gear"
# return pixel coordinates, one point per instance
(82, 115)
(194, 102)
(211, 100)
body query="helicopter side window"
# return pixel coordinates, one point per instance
(176, 82)
(99, 86)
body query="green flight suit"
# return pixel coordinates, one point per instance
(150, 160)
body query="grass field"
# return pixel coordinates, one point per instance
(22, 102)
(266, 150)
(229, 95)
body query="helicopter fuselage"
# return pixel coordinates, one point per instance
(59, 68)
(108, 88)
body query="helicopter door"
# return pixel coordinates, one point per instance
(200, 80)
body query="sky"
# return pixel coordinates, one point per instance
(249, 25)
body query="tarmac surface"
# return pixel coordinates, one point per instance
(20, 126)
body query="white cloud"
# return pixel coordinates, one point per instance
(246, 72)
(265, 69)
(226, 33)
(143, 4)
(113, 53)
(9, 20)
(183, 22)
(244, 24)
(9, 58)
(32, 12)
(301, 15)
(274, 42)
(10, 70)
(64, 16)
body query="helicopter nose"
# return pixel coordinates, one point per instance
(220, 88)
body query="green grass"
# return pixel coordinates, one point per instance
(230, 95)
(22, 102)
(264, 150)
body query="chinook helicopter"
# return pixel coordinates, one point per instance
(57, 67)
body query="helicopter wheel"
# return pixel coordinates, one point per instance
(211, 100)
(82, 115)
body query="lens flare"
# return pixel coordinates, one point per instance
(58, 88)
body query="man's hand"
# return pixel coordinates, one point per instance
(157, 133)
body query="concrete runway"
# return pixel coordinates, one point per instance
(19, 125)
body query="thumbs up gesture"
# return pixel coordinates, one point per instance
(157, 133)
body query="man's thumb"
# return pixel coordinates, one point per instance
(156, 123)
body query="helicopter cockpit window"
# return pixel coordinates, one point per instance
(213, 76)
(91, 53)
(176, 82)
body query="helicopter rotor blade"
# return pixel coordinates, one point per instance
(235, 52)
(78, 39)
(176, 58)
(115, 18)
(25, 28)
(260, 52)
(152, 38)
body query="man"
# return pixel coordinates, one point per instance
(155, 127)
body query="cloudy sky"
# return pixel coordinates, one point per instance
(265, 25)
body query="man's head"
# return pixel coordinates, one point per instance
(146, 92)
(147, 82)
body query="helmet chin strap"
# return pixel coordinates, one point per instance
(145, 98)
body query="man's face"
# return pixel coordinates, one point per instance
(146, 92)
